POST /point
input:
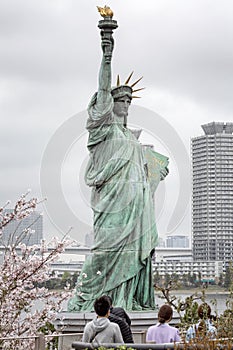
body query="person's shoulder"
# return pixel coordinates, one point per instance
(151, 328)
(118, 311)
(114, 327)
(116, 319)
(89, 324)
(112, 317)
(191, 331)
(211, 327)
(174, 328)
(88, 329)
(151, 333)
(194, 326)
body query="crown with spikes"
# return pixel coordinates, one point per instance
(125, 89)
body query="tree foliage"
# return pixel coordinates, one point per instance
(23, 269)
(188, 312)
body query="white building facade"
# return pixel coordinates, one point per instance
(209, 270)
(212, 197)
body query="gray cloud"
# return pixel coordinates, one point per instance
(49, 59)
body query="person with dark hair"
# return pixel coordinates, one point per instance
(162, 332)
(101, 330)
(119, 316)
(204, 327)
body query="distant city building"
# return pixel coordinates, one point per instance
(172, 254)
(89, 239)
(212, 196)
(209, 270)
(161, 242)
(168, 261)
(177, 242)
(16, 229)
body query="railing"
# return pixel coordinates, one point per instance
(174, 346)
(90, 346)
(41, 341)
(38, 341)
(55, 342)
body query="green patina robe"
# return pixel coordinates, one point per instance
(123, 176)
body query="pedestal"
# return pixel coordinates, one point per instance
(71, 325)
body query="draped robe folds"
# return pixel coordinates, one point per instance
(123, 176)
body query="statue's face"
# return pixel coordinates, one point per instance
(121, 106)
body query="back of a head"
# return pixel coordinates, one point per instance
(165, 313)
(109, 299)
(204, 311)
(102, 306)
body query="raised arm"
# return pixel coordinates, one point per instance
(101, 104)
(105, 73)
(107, 26)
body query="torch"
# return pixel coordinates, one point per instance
(107, 25)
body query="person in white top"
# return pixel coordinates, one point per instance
(162, 332)
(204, 327)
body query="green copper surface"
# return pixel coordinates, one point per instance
(123, 175)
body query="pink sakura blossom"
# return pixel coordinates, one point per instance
(20, 273)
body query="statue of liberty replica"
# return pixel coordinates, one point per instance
(123, 175)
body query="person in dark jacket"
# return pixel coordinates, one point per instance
(119, 316)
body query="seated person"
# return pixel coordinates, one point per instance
(119, 316)
(204, 327)
(162, 332)
(101, 330)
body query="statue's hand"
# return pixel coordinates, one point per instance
(107, 47)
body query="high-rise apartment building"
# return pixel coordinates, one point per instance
(17, 230)
(212, 196)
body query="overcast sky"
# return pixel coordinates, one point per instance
(49, 59)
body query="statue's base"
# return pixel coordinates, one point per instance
(71, 325)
